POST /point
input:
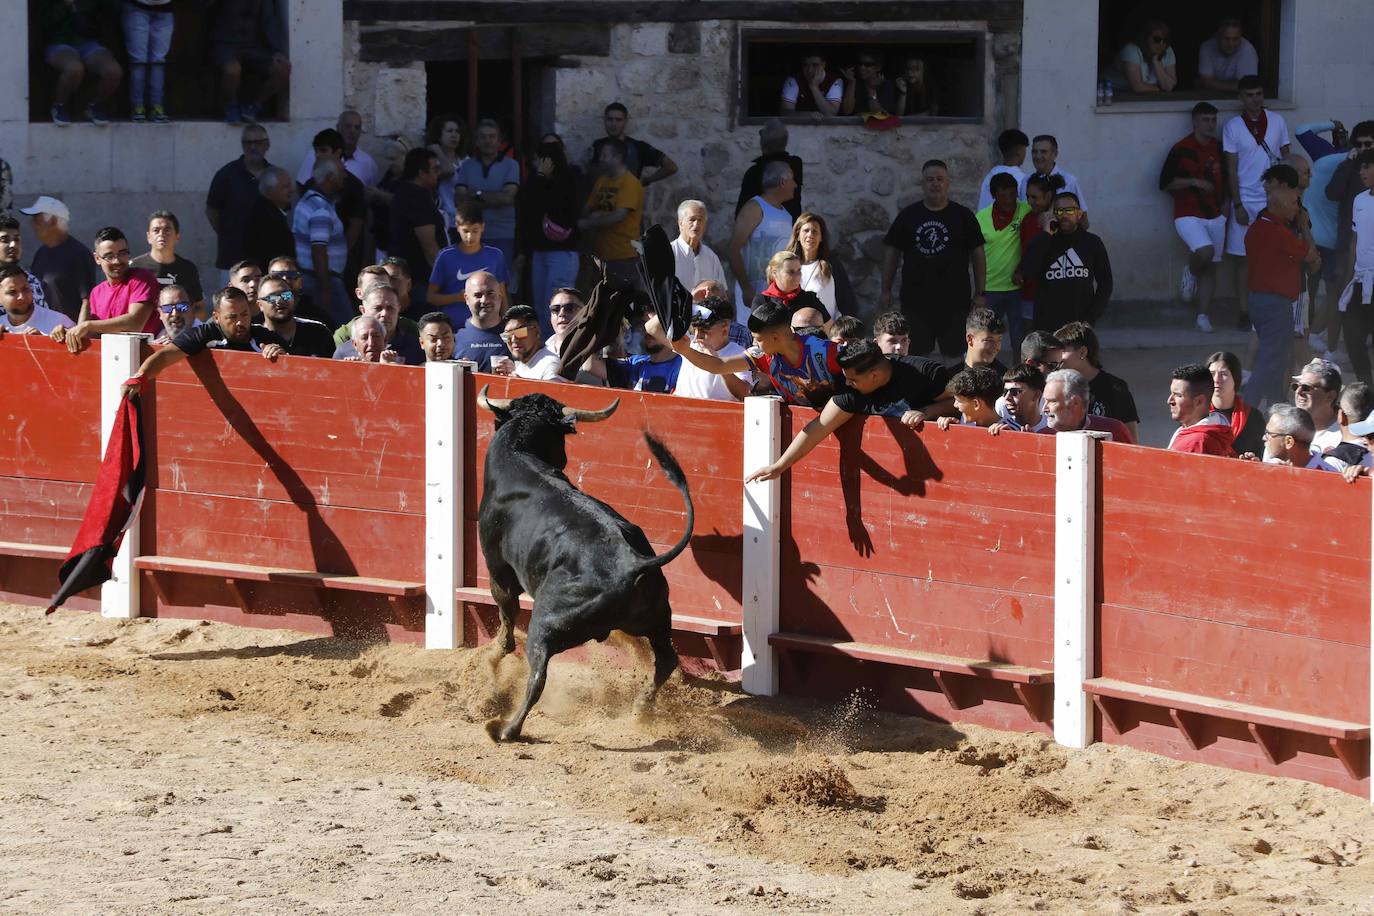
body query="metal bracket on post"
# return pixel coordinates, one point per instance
(1075, 543)
(444, 386)
(762, 511)
(120, 357)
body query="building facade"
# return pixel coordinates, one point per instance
(699, 79)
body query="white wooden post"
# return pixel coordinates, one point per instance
(443, 503)
(120, 356)
(762, 507)
(1075, 533)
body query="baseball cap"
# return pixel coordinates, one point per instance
(1363, 428)
(709, 311)
(769, 312)
(48, 205)
(1329, 372)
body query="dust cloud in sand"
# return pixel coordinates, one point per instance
(162, 766)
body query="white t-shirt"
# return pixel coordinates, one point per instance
(360, 165)
(823, 287)
(692, 269)
(543, 365)
(1211, 62)
(1252, 159)
(698, 383)
(985, 195)
(1362, 221)
(790, 91)
(44, 319)
(1327, 438)
(1070, 185)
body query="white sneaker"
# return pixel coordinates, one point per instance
(1204, 324)
(1187, 285)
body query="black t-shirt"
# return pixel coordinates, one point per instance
(68, 273)
(311, 338)
(180, 272)
(935, 247)
(916, 382)
(1110, 396)
(961, 365)
(411, 207)
(208, 335)
(638, 155)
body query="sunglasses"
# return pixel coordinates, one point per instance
(559, 308)
(1066, 211)
(279, 297)
(1014, 392)
(1160, 39)
(1042, 365)
(286, 274)
(177, 307)
(516, 334)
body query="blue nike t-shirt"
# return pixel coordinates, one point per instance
(452, 269)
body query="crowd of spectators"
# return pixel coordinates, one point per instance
(451, 252)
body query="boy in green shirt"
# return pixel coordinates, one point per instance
(1001, 226)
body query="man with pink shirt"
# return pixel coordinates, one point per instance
(125, 303)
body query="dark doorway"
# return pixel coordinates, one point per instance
(497, 95)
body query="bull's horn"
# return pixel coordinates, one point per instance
(491, 403)
(591, 416)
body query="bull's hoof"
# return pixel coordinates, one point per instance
(498, 731)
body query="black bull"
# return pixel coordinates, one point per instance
(588, 569)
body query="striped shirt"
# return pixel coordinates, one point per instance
(316, 223)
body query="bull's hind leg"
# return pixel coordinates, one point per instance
(505, 591)
(665, 663)
(537, 654)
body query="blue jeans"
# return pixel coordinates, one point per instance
(1007, 304)
(148, 36)
(548, 271)
(1272, 316)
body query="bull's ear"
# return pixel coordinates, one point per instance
(569, 423)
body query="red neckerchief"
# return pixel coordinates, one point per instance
(776, 293)
(1257, 128)
(1002, 220)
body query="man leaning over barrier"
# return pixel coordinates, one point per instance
(908, 388)
(231, 328)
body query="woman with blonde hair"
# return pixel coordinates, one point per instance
(784, 274)
(825, 277)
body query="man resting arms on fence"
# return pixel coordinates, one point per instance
(230, 328)
(908, 388)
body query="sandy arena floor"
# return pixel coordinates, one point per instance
(174, 767)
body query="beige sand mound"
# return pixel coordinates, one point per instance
(839, 808)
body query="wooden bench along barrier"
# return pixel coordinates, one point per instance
(236, 574)
(1189, 713)
(1030, 684)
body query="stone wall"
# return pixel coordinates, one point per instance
(679, 82)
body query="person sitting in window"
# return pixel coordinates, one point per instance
(913, 98)
(248, 35)
(870, 92)
(813, 89)
(821, 273)
(1226, 57)
(70, 29)
(1146, 63)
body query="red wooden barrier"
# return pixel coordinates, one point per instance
(938, 543)
(1239, 582)
(304, 464)
(49, 452)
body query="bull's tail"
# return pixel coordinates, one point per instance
(673, 471)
